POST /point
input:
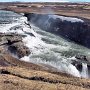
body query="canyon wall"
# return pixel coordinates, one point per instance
(74, 29)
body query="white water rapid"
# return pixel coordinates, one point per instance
(84, 72)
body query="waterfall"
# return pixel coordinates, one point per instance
(84, 72)
(45, 47)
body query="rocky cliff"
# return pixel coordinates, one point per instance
(75, 29)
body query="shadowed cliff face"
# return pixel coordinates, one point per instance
(70, 28)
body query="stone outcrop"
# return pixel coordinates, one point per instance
(78, 63)
(78, 31)
(11, 43)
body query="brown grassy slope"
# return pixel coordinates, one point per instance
(19, 74)
(67, 9)
(9, 82)
(13, 78)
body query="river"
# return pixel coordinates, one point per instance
(45, 47)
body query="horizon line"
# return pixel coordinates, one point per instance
(49, 2)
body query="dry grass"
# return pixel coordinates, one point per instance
(20, 75)
(75, 10)
(16, 80)
(45, 77)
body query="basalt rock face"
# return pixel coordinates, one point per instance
(77, 31)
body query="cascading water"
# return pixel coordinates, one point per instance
(84, 72)
(45, 48)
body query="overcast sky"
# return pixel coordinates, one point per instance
(46, 0)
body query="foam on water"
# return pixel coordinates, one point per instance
(61, 66)
(84, 72)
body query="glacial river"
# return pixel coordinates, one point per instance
(45, 47)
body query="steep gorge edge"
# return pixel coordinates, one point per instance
(78, 32)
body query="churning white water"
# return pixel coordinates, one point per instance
(46, 48)
(84, 72)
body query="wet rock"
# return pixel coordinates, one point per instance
(20, 50)
(80, 59)
(16, 27)
(78, 65)
(83, 59)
